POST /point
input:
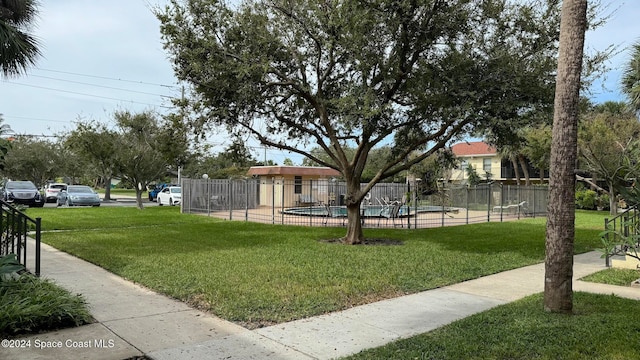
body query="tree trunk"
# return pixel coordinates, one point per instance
(516, 169)
(613, 204)
(525, 170)
(139, 198)
(107, 188)
(354, 226)
(558, 285)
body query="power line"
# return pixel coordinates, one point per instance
(108, 78)
(84, 94)
(37, 119)
(101, 86)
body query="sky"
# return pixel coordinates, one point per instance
(99, 57)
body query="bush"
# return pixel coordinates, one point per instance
(603, 202)
(31, 305)
(586, 199)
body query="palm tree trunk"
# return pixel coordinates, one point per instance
(516, 170)
(525, 169)
(560, 233)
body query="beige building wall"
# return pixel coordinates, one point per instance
(279, 191)
(478, 162)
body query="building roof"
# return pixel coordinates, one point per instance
(473, 148)
(293, 170)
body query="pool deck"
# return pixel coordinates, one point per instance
(269, 215)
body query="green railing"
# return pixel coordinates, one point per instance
(15, 227)
(622, 234)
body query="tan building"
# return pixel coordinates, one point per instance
(481, 156)
(293, 185)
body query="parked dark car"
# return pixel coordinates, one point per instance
(22, 192)
(78, 195)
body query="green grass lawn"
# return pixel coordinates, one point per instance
(258, 274)
(613, 276)
(118, 191)
(602, 327)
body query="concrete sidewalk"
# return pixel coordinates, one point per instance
(134, 321)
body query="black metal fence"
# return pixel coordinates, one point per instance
(15, 227)
(321, 202)
(627, 225)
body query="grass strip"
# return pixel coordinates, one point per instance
(602, 327)
(614, 276)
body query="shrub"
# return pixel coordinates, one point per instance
(586, 199)
(9, 265)
(31, 304)
(603, 202)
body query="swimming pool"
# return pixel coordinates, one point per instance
(367, 211)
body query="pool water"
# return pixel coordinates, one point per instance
(367, 211)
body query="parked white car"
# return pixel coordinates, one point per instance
(52, 190)
(171, 195)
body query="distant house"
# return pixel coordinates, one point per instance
(485, 159)
(293, 185)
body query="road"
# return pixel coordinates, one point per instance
(117, 201)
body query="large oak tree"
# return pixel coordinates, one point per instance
(97, 144)
(410, 74)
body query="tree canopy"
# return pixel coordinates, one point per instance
(410, 74)
(95, 143)
(32, 159)
(607, 137)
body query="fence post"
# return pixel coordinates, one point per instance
(22, 239)
(502, 201)
(534, 202)
(489, 195)
(208, 197)
(246, 203)
(273, 200)
(38, 228)
(230, 197)
(310, 202)
(282, 200)
(467, 203)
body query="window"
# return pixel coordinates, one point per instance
(297, 185)
(486, 164)
(464, 164)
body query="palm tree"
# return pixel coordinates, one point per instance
(18, 49)
(631, 78)
(558, 286)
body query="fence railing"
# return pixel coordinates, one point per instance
(626, 224)
(321, 202)
(15, 227)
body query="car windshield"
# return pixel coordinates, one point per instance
(57, 186)
(80, 189)
(21, 185)
(175, 190)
